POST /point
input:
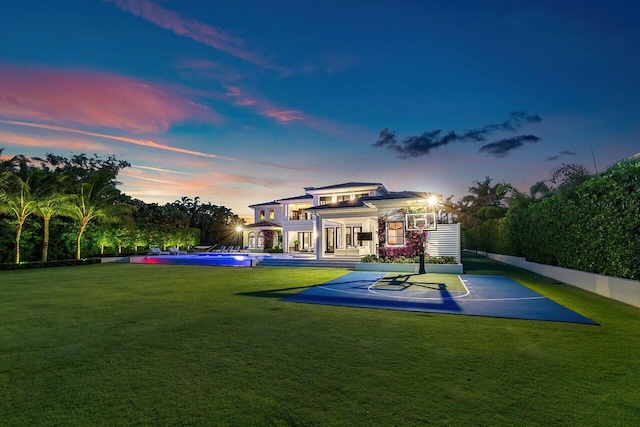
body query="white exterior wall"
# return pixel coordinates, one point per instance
(277, 213)
(624, 290)
(445, 241)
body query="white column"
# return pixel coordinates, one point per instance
(317, 231)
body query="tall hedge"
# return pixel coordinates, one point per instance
(594, 227)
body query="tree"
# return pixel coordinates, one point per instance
(17, 199)
(537, 191)
(97, 199)
(80, 168)
(50, 205)
(486, 201)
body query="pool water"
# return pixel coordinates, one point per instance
(228, 260)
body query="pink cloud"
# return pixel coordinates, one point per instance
(58, 143)
(247, 101)
(233, 91)
(283, 116)
(146, 143)
(93, 99)
(191, 28)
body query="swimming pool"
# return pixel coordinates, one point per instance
(227, 260)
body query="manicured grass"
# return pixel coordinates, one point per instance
(124, 344)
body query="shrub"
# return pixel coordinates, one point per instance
(410, 260)
(63, 263)
(591, 227)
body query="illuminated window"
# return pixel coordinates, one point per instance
(395, 232)
(260, 242)
(252, 240)
(261, 214)
(272, 214)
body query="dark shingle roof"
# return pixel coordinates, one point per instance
(304, 197)
(263, 224)
(347, 185)
(264, 204)
(400, 195)
(358, 203)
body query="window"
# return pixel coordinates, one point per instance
(252, 240)
(261, 214)
(260, 242)
(272, 214)
(351, 236)
(395, 232)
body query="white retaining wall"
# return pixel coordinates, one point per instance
(625, 290)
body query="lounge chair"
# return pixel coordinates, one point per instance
(157, 251)
(222, 249)
(234, 249)
(175, 251)
(204, 248)
(245, 249)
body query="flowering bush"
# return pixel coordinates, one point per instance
(401, 259)
(268, 238)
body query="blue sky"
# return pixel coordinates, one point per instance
(248, 101)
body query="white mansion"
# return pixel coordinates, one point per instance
(350, 219)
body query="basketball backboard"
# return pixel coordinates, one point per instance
(421, 221)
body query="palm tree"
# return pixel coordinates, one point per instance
(97, 200)
(537, 191)
(17, 199)
(485, 194)
(50, 205)
(485, 201)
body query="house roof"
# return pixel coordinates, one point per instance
(363, 201)
(263, 224)
(345, 185)
(399, 195)
(303, 197)
(264, 204)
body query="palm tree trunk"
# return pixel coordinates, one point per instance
(45, 243)
(18, 233)
(80, 231)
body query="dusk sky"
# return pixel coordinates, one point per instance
(242, 102)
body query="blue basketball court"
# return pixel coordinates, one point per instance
(492, 296)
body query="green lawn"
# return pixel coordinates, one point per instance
(127, 344)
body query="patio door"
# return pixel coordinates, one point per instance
(330, 240)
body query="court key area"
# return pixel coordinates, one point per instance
(492, 296)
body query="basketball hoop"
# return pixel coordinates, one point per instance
(420, 221)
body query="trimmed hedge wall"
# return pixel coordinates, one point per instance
(594, 227)
(48, 264)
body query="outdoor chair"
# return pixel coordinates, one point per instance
(157, 251)
(222, 249)
(175, 251)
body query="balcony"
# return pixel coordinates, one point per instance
(299, 217)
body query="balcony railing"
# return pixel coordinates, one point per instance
(301, 217)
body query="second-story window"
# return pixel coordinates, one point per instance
(261, 214)
(272, 214)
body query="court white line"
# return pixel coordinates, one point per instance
(467, 293)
